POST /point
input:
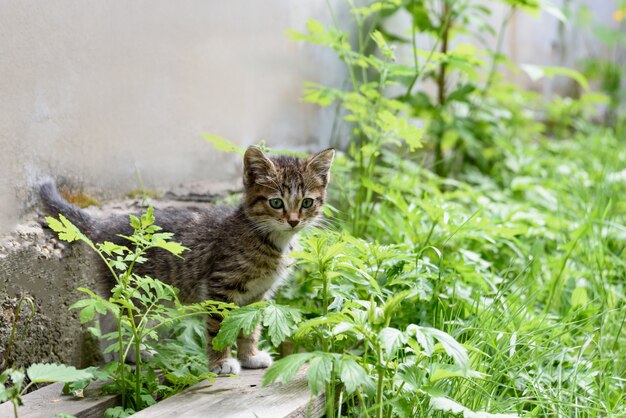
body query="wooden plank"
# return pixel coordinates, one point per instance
(48, 401)
(241, 397)
(229, 397)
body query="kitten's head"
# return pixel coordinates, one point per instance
(285, 194)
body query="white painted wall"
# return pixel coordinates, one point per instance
(91, 89)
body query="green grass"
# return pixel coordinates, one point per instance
(523, 265)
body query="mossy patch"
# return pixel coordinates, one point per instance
(80, 199)
(142, 194)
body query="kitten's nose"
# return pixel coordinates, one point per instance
(293, 222)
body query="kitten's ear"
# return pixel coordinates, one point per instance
(255, 165)
(319, 164)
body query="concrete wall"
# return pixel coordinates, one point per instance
(34, 264)
(93, 90)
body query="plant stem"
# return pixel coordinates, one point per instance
(7, 352)
(324, 291)
(167, 321)
(362, 403)
(122, 361)
(347, 57)
(381, 379)
(137, 373)
(496, 53)
(441, 77)
(446, 22)
(419, 73)
(330, 393)
(144, 317)
(329, 401)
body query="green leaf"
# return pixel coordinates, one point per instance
(17, 377)
(553, 10)
(411, 375)
(441, 403)
(451, 346)
(118, 412)
(281, 322)
(579, 297)
(536, 72)
(40, 373)
(388, 51)
(109, 248)
(87, 314)
(375, 7)
(100, 304)
(147, 218)
(352, 374)
(242, 319)
(342, 327)
(318, 373)
(134, 222)
(320, 95)
(315, 27)
(170, 246)
(222, 144)
(461, 94)
(392, 303)
(308, 326)
(391, 339)
(286, 368)
(76, 387)
(447, 371)
(66, 230)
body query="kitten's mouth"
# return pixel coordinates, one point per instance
(296, 228)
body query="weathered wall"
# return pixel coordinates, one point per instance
(94, 90)
(32, 263)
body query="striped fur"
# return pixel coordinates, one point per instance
(236, 254)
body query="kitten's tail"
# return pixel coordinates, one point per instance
(55, 205)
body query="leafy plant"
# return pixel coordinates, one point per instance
(141, 307)
(13, 381)
(389, 103)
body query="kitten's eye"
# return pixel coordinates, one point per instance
(276, 203)
(307, 203)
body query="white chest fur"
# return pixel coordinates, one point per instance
(263, 286)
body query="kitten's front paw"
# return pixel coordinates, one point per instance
(227, 366)
(261, 360)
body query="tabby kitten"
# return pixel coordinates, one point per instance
(236, 254)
